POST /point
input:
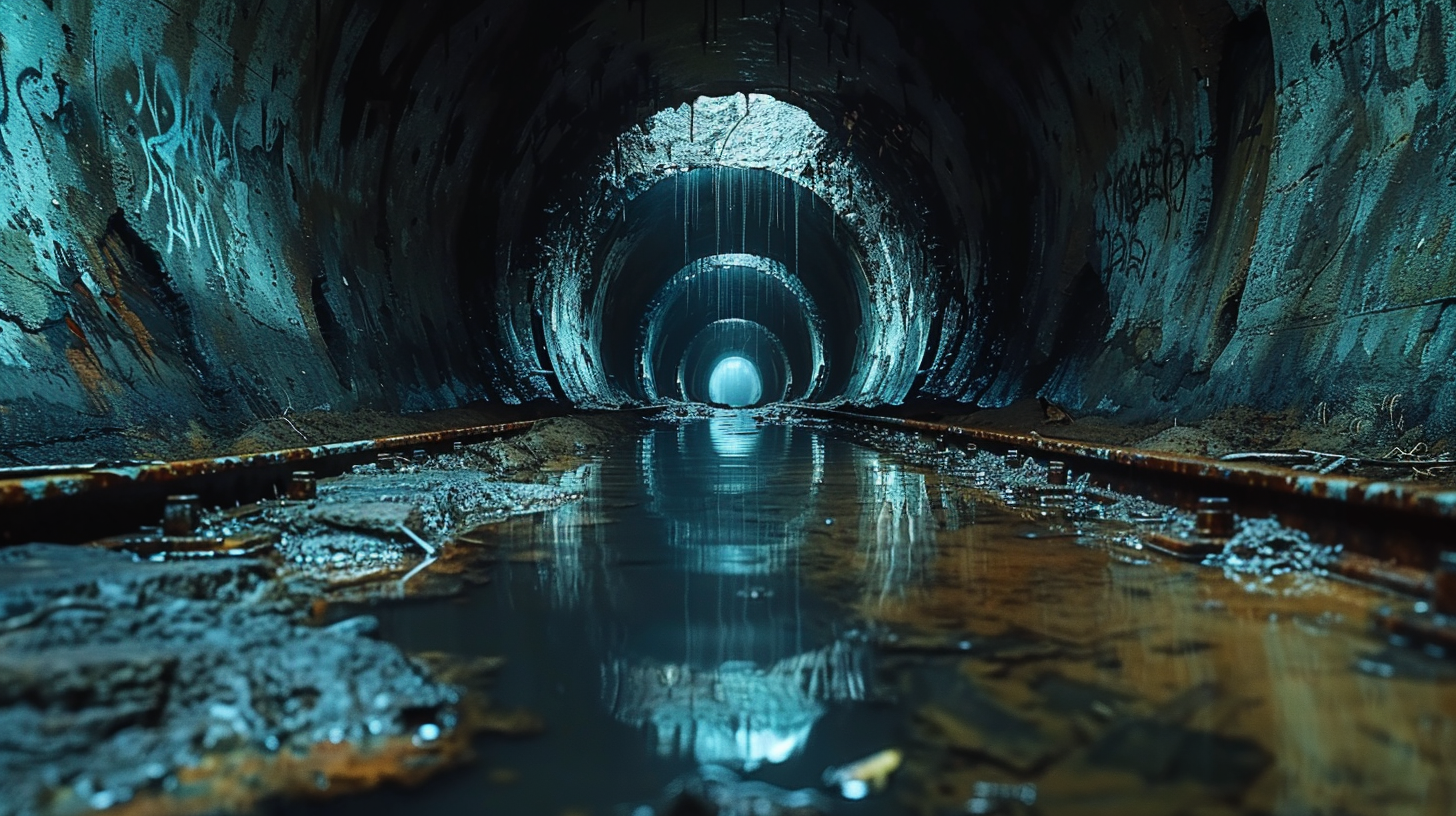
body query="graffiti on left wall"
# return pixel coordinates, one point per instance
(191, 160)
(4, 106)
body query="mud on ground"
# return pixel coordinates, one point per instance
(137, 679)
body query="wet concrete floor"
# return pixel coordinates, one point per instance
(775, 599)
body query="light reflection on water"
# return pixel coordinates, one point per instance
(705, 644)
(897, 526)
(738, 713)
(685, 616)
(744, 688)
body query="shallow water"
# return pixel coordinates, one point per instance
(778, 599)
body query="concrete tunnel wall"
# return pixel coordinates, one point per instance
(215, 214)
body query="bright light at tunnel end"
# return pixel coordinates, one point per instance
(736, 383)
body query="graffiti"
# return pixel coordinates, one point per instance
(1403, 51)
(1123, 253)
(46, 102)
(189, 152)
(27, 181)
(1159, 174)
(4, 106)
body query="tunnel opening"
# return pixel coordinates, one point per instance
(737, 207)
(958, 406)
(745, 301)
(735, 383)
(763, 361)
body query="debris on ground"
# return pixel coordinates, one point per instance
(143, 668)
(376, 523)
(1263, 552)
(676, 412)
(122, 679)
(1369, 427)
(1263, 556)
(551, 444)
(1025, 481)
(1414, 461)
(373, 524)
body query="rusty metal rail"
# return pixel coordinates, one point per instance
(1409, 524)
(1387, 495)
(85, 502)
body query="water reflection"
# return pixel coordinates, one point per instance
(565, 532)
(738, 712)
(707, 642)
(897, 526)
(734, 439)
(682, 612)
(748, 682)
(723, 489)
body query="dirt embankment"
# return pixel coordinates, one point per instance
(287, 430)
(1371, 429)
(327, 427)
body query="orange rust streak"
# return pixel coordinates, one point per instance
(76, 330)
(238, 782)
(88, 371)
(138, 329)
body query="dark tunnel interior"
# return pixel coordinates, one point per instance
(730, 245)
(1136, 210)
(771, 407)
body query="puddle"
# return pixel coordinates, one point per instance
(778, 600)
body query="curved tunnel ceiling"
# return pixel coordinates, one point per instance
(748, 175)
(1132, 207)
(751, 351)
(732, 287)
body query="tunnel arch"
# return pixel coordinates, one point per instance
(770, 296)
(745, 174)
(1120, 205)
(734, 338)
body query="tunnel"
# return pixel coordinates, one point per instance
(1134, 210)
(1189, 249)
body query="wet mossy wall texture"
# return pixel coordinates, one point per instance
(216, 212)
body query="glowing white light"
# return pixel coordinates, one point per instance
(734, 436)
(735, 382)
(737, 713)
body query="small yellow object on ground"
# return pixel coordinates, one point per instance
(869, 775)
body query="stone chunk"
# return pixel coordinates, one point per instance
(378, 517)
